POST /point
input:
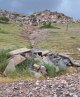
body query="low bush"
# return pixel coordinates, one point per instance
(50, 70)
(4, 19)
(3, 60)
(48, 25)
(23, 69)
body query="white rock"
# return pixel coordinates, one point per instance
(36, 67)
(78, 49)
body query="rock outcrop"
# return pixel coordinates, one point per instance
(37, 18)
(54, 17)
(43, 57)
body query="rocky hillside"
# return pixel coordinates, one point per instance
(55, 17)
(37, 18)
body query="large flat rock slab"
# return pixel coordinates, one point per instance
(19, 51)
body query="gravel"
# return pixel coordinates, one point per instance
(64, 86)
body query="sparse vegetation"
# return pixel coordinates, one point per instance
(23, 69)
(3, 60)
(51, 71)
(4, 19)
(10, 36)
(20, 73)
(3, 31)
(48, 25)
(59, 40)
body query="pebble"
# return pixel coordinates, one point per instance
(64, 86)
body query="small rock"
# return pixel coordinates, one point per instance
(36, 67)
(43, 70)
(37, 82)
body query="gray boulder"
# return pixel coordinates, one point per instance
(62, 65)
(15, 60)
(55, 58)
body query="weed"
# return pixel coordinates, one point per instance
(51, 71)
(48, 25)
(22, 70)
(3, 60)
(4, 19)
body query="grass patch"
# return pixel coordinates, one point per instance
(3, 60)
(25, 73)
(48, 25)
(4, 19)
(3, 31)
(60, 41)
(51, 71)
(10, 36)
(52, 27)
(23, 70)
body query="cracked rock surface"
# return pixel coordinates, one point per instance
(64, 86)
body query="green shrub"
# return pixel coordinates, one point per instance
(23, 69)
(51, 71)
(48, 25)
(16, 14)
(3, 60)
(4, 19)
(24, 65)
